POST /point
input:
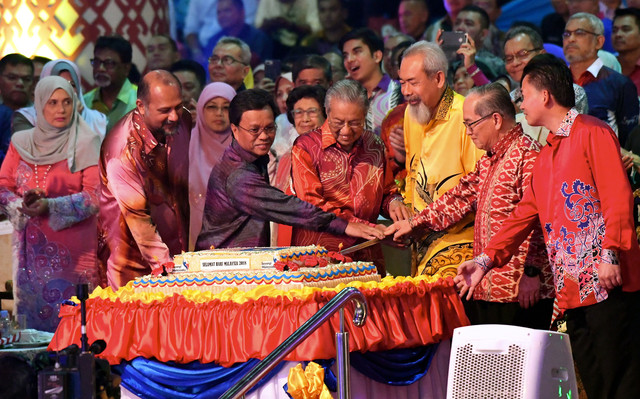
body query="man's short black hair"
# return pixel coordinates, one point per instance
(548, 72)
(484, 17)
(15, 59)
(191, 66)
(40, 59)
(251, 100)
(117, 44)
(306, 91)
(312, 61)
(625, 12)
(368, 37)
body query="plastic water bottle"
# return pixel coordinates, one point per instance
(5, 323)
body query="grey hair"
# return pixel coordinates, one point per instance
(245, 54)
(347, 90)
(433, 58)
(594, 22)
(495, 99)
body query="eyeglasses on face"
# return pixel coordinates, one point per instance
(108, 63)
(12, 77)
(520, 55)
(225, 60)
(353, 125)
(578, 33)
(470, 125)
(269, 130)
(311, 112)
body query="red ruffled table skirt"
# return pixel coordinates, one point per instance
(235, 326)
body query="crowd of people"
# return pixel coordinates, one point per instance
(508, 163)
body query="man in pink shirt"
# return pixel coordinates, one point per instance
(144, 171)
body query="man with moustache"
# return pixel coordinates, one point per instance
(612, 97)
(144, 205)
(240, 202)
(115, 94)
(229, 62)
(438, 154)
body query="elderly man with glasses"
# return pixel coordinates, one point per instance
(341, 168)
(612, 97)
(520, 292)
(115, 94)
(240, 202)
(229, 62)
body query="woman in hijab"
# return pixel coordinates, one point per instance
(48, 190)
(209, 138)
(25, 118)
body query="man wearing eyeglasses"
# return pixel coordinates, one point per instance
(16, 79)
(115, 94)
(612, 97)
(438, 154)
(144, 173)
(341, 167)
(240, 202)
(581, 196)
(229, 62)
(521, 292)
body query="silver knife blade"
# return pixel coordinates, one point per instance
(360, 246)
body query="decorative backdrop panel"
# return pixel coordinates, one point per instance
(68, 28)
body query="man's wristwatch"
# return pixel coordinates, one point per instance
(531, 271)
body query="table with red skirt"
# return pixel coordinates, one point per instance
(198, 344)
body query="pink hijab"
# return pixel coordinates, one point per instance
(205, 151)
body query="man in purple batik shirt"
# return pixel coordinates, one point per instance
(240, 202)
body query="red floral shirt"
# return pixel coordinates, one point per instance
(493, 190)
(581, 195)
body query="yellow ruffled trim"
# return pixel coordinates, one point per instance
(127, 294)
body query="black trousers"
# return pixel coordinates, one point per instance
(538, 316)
(605, 341)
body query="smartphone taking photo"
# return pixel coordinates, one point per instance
(272, 69)
(451, 42)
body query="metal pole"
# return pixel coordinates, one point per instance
(342, 359)
(268, 363)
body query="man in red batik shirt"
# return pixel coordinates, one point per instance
(580, 194)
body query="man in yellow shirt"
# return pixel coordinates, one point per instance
(438, 154)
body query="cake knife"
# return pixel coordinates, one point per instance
(360, 246)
